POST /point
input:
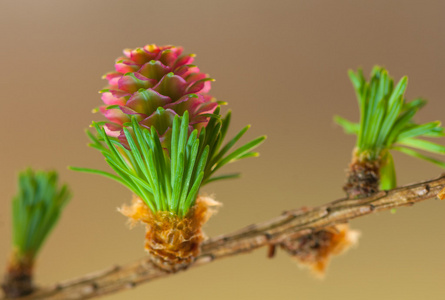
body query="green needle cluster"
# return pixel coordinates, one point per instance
(386, 123)
(214, 134)
(167, 174)
(35, 210)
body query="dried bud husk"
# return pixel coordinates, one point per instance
(315, 250)
(18, 280)
(172, 242)
(363, 177)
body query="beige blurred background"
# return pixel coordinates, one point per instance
(282, 67)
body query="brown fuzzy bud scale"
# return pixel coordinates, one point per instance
(172, 242)
(18, 281)
(363, 178)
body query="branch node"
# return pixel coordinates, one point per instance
(116, 268)
(268, 236)
(425, 190)
(206, 258)
(130, 285)
(251, 227)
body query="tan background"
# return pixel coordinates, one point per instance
(282, 66)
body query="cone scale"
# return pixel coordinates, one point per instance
(152, 77)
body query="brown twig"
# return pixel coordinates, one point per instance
(291, 224)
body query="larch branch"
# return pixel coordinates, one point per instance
(291, 224)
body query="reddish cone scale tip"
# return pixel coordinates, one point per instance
(154, 84)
